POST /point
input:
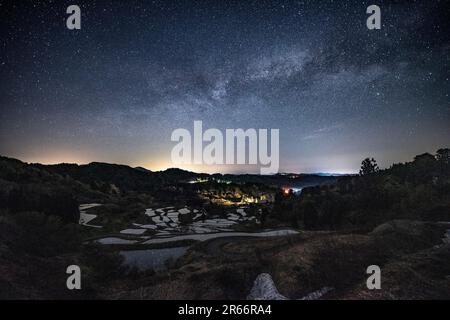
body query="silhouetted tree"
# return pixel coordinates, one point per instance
(310, 215)
(443, 155)
(424, 158)
(368, 166)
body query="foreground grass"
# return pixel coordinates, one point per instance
(413, 259)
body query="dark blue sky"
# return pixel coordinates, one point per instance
(116, 89)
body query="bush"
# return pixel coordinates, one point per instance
(38, 234)
(103, 263)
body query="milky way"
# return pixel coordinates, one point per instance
(116, 89)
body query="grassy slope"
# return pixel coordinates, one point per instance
(412, 267)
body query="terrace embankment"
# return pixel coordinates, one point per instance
(412, 256)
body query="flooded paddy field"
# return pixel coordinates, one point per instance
(163, 234)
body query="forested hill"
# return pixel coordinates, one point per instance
(417, 190)
(102, 179)
(58, 189)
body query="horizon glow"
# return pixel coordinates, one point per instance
(114, 90)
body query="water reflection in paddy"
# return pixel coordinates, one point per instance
(156, 259)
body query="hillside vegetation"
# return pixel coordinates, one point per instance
(388, 217)
(418, 190)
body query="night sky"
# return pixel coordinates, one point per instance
(116, 89)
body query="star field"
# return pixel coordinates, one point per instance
(116, 89)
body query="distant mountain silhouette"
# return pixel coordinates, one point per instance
(100, 176)
(142, 169)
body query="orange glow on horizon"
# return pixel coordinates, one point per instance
(51, 157)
